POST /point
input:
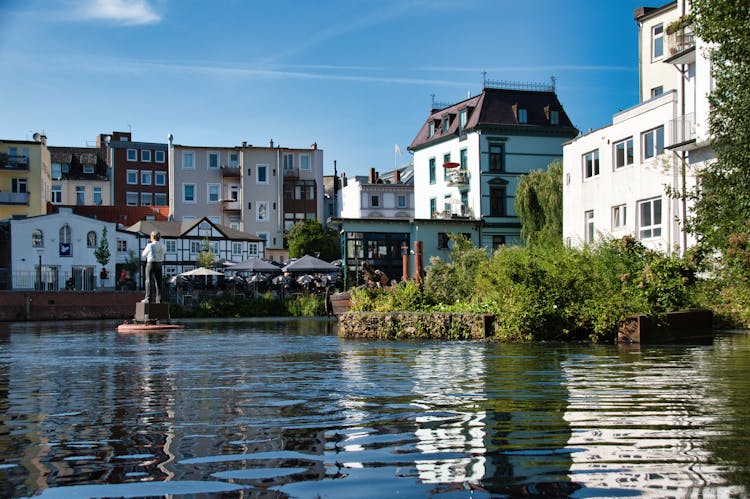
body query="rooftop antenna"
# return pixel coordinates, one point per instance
(484, 79)
(554, 83)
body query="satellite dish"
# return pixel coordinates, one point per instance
(36, 136)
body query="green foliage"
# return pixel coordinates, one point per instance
(102, 253)
(306, 306)
(309, 238)
(539, 205)
(723, 198)
(205, 258)
(451, 282)
(132, 262)
(404, 296)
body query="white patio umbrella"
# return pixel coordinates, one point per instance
(201, 271)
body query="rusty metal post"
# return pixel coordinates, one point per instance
(418, 262)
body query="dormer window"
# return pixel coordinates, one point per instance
(446, 124)
(523, 116)
(554, 117)
(463, 117)
(431, 130)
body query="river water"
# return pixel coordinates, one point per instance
(285, 408)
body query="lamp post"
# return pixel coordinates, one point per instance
(405, 261)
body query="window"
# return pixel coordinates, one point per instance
(159, 156)
(288, 162)
(132, 155)
(656, 91)
(591, 164)
(523, 115)
(589, 226)
(374, 201)
(401, 201)
(657, 42)
(433, 207)
(304, 162)
(497, 157)
(122, 246)
(56, 194)
(653, 142)
(56, 171)
(446, 159)
(196, 247)
(89, 169)
(234, 159)
(252, 249)
(146, 177)
(463, 159)
(432, 170)
(649, 218)
(263, 235)
(160, 199)
(619, 216)
(446, 124)
(132, 177)
(498, 241)
(236, 248)
(91, 239)
(212, 160)
(37, 239)
(65, 247)
(80, 195)
(160, 178)
(188, 160)
(261, 214)
(497, 201)
(213, 191)
(19, 185)
(97, 195)
(146, 155)
(554, 117)
(131, 199)
(234, 192)
(188, 193)
(262, 176)
(442, 240)
(431, 130)
(147, 198)
(624, 153)
(171, 245)
(463, 117)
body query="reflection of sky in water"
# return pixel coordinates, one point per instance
(284, 407)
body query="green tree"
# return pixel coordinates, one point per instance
(539, 205)
(101, 253)
(309, 238)
(722, 200)
(205, 258)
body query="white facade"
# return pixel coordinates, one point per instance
(64, 243)
(364, 198)
(620, 180)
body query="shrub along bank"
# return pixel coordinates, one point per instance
(265, 305)
(551, 292)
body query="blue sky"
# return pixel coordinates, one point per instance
(355, 76)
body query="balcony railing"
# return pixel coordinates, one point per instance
(291, 173)
(230, 171)
(682, 129)
(14, 162)
(231, 205)
(680, 41)
(458, 177)
(14, 198)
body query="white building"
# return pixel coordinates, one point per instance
(262, 191)
(617, 178)
(376, 197)
(62, 245)
(469, 156)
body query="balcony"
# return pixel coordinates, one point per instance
(680, 45)
(458, 178)
(291, 173)
(230, 171)
(14, 198)
(682, 132)
(14, 162)
(231, 205)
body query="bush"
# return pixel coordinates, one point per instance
(306, 306)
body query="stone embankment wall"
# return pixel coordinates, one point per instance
(415, 325)
(51, 305)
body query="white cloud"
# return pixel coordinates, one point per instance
(126, 12)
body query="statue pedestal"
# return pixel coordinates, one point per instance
(145, 312)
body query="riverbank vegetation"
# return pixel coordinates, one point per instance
(264, 305)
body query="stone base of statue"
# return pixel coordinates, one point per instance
(152, 317)
(148, 312)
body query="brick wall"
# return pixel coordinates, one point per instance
(40, 306)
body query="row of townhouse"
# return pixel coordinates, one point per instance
(617, 178)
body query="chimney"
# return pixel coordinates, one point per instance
(373, 176)
(314, 146)
(244, 143)
(271, 143)
(396, 176)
